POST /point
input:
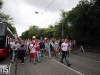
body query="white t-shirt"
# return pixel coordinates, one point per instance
(64, 46)
(33, 48)
(15, 46)
(12, 43)
(56, 45)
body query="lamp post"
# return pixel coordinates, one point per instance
(62, 30)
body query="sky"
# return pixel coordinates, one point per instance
(23, 12)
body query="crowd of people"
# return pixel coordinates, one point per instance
(37, 48)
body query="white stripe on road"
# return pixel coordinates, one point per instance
(10, 66)
(67, 66)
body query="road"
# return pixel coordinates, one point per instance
(83, 63)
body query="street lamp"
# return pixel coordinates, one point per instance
(36, 12)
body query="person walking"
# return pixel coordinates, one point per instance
(32, 48)
(60, 42)
(11, 51)
(56, 46)
(47, 47)
(64, 47)
(22, 53)
(15, 46)
(42, 47)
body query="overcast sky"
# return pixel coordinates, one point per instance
(23, 12)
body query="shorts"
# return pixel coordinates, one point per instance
(15, 53)
(32, 55)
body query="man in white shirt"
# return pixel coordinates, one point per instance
(47, 47)
(11, 42)
(64, 47)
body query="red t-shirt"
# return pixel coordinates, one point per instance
(37, 47)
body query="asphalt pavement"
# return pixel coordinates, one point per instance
(83, 63)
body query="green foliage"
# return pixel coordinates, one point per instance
(25, 34)
(81, 23)
(12, 28)
(33, 30)
(6, 19)
(85, 20)
(1, 3)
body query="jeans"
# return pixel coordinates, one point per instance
(38, 55)
(49, 52)
(15, 53)
(42, 51)
(64, 56)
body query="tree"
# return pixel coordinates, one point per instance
(25, 34)
(1, 3)
(33, 30)
(6, 19)
(62, 26)
(81, 23)
(85, 20)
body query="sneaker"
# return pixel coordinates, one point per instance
(34, 63)
(68, 65)
(49, 57)
(16, 59)
(30, 60)
(41, 55)
(60, 53)
(12, 62)
(22, 63)
(61, 61)
(39, 61)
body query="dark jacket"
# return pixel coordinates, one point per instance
(42, 45)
